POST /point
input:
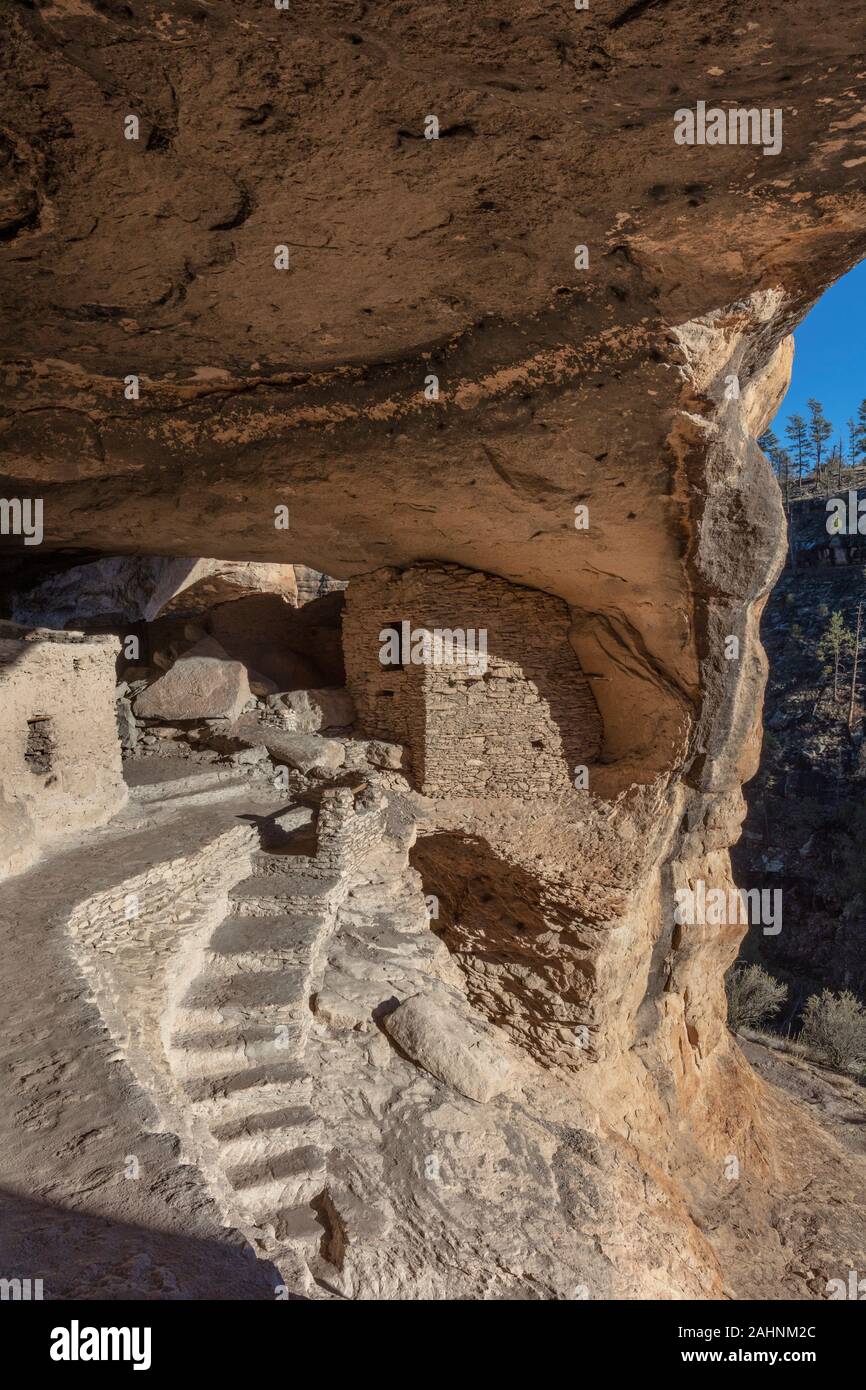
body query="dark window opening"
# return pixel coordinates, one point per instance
(39, 752)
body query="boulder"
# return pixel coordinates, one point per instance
(446, 1040)
(304, 753)
(311, 710)
(351, 1006)
(202, 684)
(384, 755)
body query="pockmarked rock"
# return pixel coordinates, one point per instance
(204, 683)
(446, 1041)
(308, 711)
(305, 753)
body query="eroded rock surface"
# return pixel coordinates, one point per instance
(589, 441)
(446, 1041)
(202, 684)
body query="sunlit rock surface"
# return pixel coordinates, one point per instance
(441, 375)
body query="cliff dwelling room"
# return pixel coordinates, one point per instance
(432, 670)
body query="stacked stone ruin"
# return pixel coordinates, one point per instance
(519, 727)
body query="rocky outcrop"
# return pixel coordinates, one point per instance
(311, 584)
(444, 1039)
(535, 351)
(112, 590)
(138, 588)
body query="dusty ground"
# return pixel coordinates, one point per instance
(788, 1234)
(73, 1114)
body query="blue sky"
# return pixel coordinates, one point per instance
(830, 355)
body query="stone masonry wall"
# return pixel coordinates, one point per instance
(517, 728)
(349, 829)
(60, 760)
(128, 939)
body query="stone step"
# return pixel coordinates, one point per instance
(218, 1058)
(292, 1128)
(266, 1086)
(283, 895)
(268, 864)
(272, 1182)
(247, 1154)
(270, 992)
(241, 933)
(265, 1122)
(241, 936)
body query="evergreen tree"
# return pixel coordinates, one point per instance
(835, 466)
(795, 433)
(819, 430)
(836, 641)
(851, 426)
(852, 705)
(858, 435)
(769, 442)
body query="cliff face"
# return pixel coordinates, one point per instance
(539, 346)
(803, 832)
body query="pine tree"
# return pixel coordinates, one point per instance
(819, 431)
(858, 435)
(853, 702)
(796, 434)
(835, 466)
(836, 641)
(769, 442)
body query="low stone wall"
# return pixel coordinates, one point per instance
(60, 758)
(349, 828)
(517, 728)
(127, 939)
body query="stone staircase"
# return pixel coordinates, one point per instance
(237, 1037)
(253, 998)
